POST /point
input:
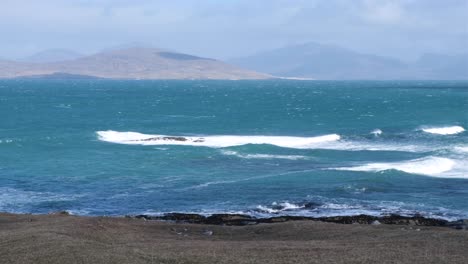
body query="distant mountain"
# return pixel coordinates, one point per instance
(133, 63)
(52, 55)
(438, 66)
(313, 60)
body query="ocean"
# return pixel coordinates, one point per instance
(263, 148)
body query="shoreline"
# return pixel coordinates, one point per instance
(242, 219)
(235, 219)
(64, 238)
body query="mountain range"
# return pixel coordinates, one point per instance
(318, 61)
(305, 61)
(128, 63)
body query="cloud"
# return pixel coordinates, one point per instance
(381, 11)
(233, 28)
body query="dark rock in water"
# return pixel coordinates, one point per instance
(175, 138)
(198, 140)
(164, 138)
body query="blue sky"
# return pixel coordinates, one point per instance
(229, 28)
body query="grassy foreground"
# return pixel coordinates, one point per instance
(74, 239)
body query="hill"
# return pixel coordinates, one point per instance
(313, 60)
(133, 63)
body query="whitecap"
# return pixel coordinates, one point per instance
(329, 142)
(449, 130)
(461, 149)
(429, 166)
(135, 138)
(350, 207)
(280, 207)
(376, 132)
(262, 156)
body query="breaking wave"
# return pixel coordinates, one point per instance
(376, 132)
(430, 166)
(262, 156)
(135, 138)
(450, 130)
(352, 207)
(330, 141)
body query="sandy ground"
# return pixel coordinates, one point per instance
(72, 239)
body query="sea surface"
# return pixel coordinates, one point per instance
(264, 148)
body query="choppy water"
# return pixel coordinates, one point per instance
(257, 147)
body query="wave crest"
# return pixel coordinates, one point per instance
(450, 130)
(262, 156)
(430, 166)
(135, 138)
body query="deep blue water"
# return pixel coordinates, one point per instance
(258, 147)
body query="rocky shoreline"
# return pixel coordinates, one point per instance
(242, 220)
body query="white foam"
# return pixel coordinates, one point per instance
(430, 166)
(374, 146)
(135, 138)
(450, 130)
(279, 207)
(330, 141)
(376, 132)
(461, 149)
(262, 156)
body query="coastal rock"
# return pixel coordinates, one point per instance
(241, 220)
(230, 219)
(413, 220)
(355, 219)
(189, 218)
(60, 213)
(165, 139)
(460, 224)
(389, 220)
(279, 219)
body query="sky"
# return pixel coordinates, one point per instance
(228, 29)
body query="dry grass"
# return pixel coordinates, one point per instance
(71, 239)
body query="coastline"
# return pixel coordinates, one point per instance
(242, 219)
(185, 238)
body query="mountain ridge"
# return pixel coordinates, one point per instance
(133, 63)
(319, 61)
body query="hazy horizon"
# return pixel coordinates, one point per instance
(403, 29)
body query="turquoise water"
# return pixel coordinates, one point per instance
(257, 147)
